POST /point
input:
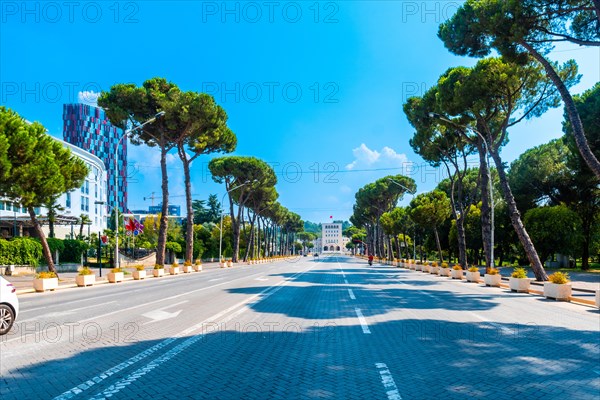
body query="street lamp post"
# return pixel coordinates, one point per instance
(99, 255)
(116, 207)
(490, 185)
(412, 193)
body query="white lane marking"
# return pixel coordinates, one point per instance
(134, 307)
(262, 279)
(363, 321)
(216, 279)
(63, 313)
(351, 293)
(167, 356)
(160, 314)
(597, 371)
(346, 281)
(388, 382)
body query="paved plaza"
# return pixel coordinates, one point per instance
(299, 329)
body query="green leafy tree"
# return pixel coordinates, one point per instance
(492, 97)
(430, 210)
(202, 127)
(84, 219)
(38, 169)
(554, 229)
(442, 144)
(516, 28)
(128, 103)
(241, 176)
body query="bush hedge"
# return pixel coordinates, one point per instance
(20, 251)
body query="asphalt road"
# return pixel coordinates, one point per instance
(329, 328)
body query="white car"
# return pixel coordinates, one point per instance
(9, 305)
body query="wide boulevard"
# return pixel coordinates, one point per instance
(327, 327)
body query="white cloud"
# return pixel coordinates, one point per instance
(88, 97)
(365, 157)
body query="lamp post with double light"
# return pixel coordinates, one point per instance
(116, 207)
(490, 185)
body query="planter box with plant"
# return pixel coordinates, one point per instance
(158, 271)
(187, 267)
(222, 264)
(558, 287)
(457, 272)
(174, 270)
(45, 281)
(473, 274)
(229, 264)
(492, 278)
(198, 266)
(427, 267)
(85, 277)
(115, 275)
(598, 298)
(139, 273)
(419, 266)
(444, 269)
(518, 281)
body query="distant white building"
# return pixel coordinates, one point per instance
(15, 220)
(332, 239)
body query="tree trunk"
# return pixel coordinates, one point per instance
(398, 246)
(164, 221)
(189, 229)
(40, 232)
(576, 124)
(439, 246)
(462, 241)
(406, 246)
(486, 215)
(515, 219)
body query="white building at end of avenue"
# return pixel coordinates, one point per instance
(331, 237)
(89, 200)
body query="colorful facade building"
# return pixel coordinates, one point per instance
(88, 128)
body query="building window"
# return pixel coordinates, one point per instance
(68, 202)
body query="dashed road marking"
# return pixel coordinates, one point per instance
(388, 382)
(351, 293)
(346, 281)
(363, 321)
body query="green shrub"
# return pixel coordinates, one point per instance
(559, 278)
(457, 267)
(473, 269)
(55, 245)
(72, 250)
(158, 266)
(116, 270)
(140, 268)
(20, 251)
(444, 265)
(519, 273)
(492, 271)
(85, 271)
(45, 275)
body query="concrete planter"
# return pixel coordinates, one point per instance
(598, 298)
(229, 264)
(41, 285)
(419, 267)
(519, 285)
(222, 264)
(174, 270)
(186, 269)
(412, 267)
(198, 268)
(492, 280)
(85, 280)
(445, 271)
(426, 268)
(157, 273)
(139, 275)
(457, 274)
(473, 276)
(115, 277)
(557, 291)
(434, 270)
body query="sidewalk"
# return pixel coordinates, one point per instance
(24, 283)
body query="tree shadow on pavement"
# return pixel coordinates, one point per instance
(252, 360)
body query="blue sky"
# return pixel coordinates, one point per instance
(314, 88)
